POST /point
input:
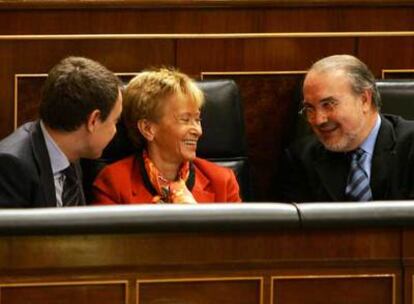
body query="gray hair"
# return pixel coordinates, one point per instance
(361, 78)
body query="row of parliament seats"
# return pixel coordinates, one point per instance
(224, 138)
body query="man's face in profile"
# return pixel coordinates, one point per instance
(102, 132)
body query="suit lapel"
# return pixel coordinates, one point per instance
(332, 169)
(42, 159)
(383, 160)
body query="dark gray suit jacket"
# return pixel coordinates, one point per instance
(310, 173)
(26, 178)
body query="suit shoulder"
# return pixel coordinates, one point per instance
(402, 128)
(120, 166)
(308, 146)
(211, 169)
(19, 142)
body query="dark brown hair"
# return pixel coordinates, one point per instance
(74, 88)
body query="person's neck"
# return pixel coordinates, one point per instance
(67, 142)
(168, 169)
(371, 121)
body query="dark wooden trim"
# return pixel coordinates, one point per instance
(157, 4)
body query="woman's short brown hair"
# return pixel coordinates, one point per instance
(146, 92)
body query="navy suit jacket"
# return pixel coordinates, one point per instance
(310, 173)
(26, 178)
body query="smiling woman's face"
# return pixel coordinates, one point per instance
(176, 133)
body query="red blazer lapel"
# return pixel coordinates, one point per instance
(139, 192)
(200, 190)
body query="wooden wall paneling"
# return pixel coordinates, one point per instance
(84, 21)
(45, 4)
(257, 54)
(270, 115)
(408, 264)
(182, 251)
(95, 21)
(27, 97)
(65, 293)
(386, 53)
(200, 291)
(184, 264)
(38, 56)
(378, 19)
(181, 19)
(374, 288)
(408, 284)
(223, 20)
(6, 87)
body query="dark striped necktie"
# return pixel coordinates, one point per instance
(358, 188)
(71, 194)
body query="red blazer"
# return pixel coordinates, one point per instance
(122, 183)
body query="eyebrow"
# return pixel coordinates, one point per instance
(329, 98)
(189, 113)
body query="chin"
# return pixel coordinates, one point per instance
(189, 157)
(341, 145)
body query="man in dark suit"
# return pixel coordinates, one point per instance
(80, 107)
(355, 153)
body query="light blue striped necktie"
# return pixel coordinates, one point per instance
(358, 188)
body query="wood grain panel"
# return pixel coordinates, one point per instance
(183, 251)
(129, 21)
(83, 293)
(39, 4)
(408, 285)
(408, 264)
(6, 92)
(278, 54)
(335, 289)
(387, 53)
(32, 57)
(339, 19)
(200, 292)
(205, 267)
(28, 94)
(182, 19)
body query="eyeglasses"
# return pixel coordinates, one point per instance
(326, 107)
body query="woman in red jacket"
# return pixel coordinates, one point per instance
(162, 116)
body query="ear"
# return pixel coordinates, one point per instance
(93, 119)
(367, 102)
(147, 129)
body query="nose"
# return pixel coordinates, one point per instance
(196, 129)
(319, 118)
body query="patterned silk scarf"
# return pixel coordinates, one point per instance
(175, 192)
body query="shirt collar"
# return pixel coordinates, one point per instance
(369, 144)
(58, 159)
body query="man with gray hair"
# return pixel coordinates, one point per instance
(355, 153)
